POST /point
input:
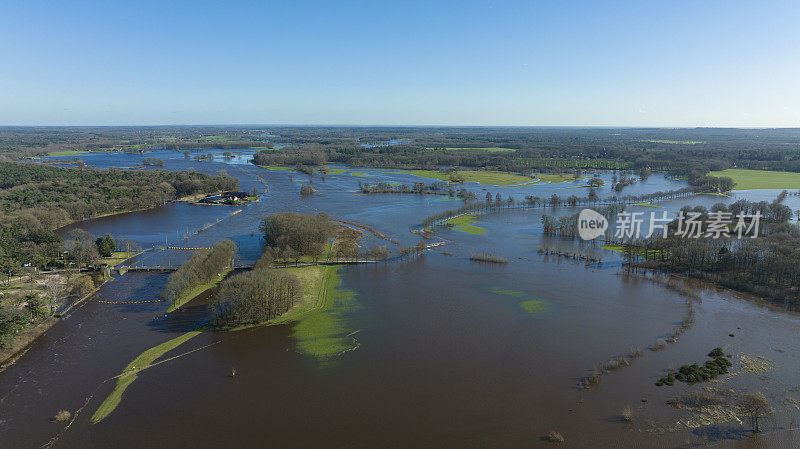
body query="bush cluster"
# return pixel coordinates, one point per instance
(695, 373)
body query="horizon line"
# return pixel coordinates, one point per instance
(334, 125)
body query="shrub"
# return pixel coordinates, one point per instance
(627, 413)
(62, 416)
(716, 352)
(555, 437)
(659, 344)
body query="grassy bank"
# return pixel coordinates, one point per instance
(129, 374)
(760, 179)
(192, 293)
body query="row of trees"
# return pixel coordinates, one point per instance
(554, 201)
(202, 267)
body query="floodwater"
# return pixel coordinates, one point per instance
(450, 353)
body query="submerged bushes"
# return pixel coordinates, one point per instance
(487, 257)
(694, 373)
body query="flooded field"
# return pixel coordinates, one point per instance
(446, 352)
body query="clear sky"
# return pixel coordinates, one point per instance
(594, 63)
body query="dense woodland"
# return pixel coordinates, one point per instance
(292, 235)
(255, 296)
(36, 199)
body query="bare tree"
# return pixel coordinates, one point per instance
(754, 407)
(54, 289)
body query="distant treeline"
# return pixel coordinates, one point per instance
(419, 188)
(553, 201)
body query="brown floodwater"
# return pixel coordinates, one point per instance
(450, 353)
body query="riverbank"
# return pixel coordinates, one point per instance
(21, 343)
(27, 335)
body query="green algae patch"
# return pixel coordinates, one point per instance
(645, 204)
(129, 374)
(534, 306)
(464, 223)
(501, 291)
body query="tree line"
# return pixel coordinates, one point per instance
(203, 266)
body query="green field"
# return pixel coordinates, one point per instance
(464, 224)
(555, 178)
(487, 177)
(760, 179)
(325, 332)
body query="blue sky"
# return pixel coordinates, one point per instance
(538, 63)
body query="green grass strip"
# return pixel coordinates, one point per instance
(129, 374)
(190, 294)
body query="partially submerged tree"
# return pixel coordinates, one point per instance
(754, 407)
